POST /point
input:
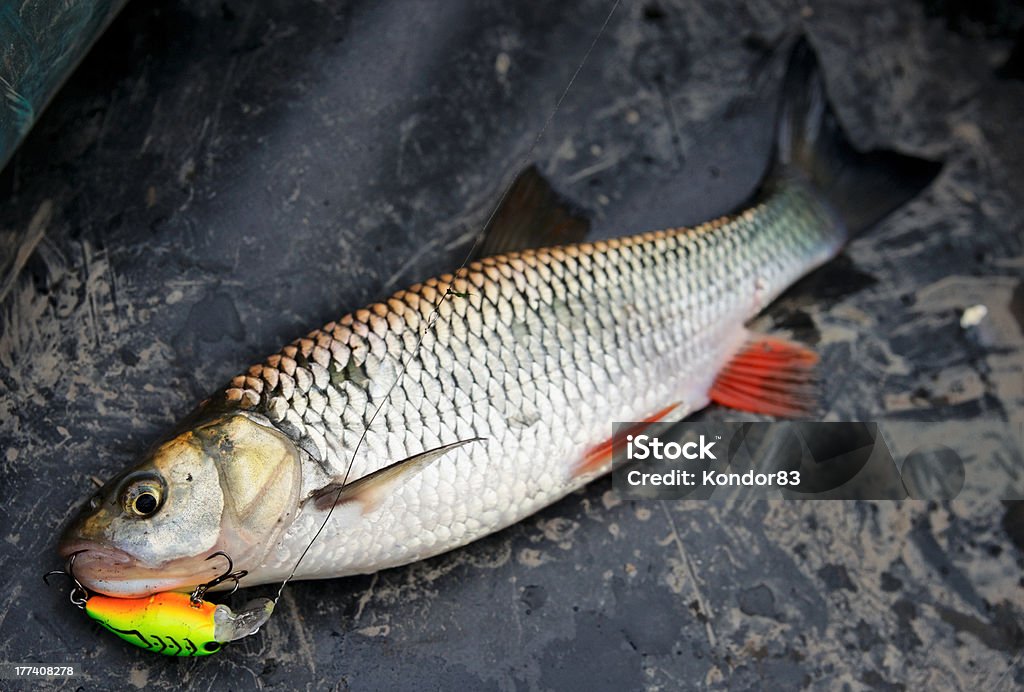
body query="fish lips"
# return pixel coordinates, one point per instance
(113, 572)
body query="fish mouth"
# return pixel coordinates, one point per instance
(90, 550)
(113, 572)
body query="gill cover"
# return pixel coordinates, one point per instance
(260, 476)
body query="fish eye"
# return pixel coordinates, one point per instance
(142, 496)
(145, 503)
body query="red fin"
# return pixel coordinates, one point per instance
(771, 376)
(600, 456)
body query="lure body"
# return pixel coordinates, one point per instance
(171, 624)
(165, 623)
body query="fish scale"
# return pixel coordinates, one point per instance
(537, 352)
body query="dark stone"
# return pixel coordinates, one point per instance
(836, 578)
(758, 600)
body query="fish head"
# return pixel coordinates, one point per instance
(231, 484)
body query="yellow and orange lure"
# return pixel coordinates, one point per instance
(168, 623)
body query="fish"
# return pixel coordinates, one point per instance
(467, 402)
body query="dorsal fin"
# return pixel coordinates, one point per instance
(532, 215)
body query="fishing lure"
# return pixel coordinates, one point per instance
(172, 623)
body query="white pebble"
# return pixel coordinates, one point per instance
(973, 316)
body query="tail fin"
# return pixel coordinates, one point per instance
(863, 188)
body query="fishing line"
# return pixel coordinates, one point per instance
(434, 314)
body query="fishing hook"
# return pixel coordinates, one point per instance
(200, 591)
(79, 594)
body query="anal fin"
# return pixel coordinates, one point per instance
(769, 375)
(600, 456)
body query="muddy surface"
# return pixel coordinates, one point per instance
(217, 178)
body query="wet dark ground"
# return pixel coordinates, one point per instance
(218, 178)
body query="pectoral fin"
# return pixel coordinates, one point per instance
(371, 490)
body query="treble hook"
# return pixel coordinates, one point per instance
(79, 594)
(200, 591)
